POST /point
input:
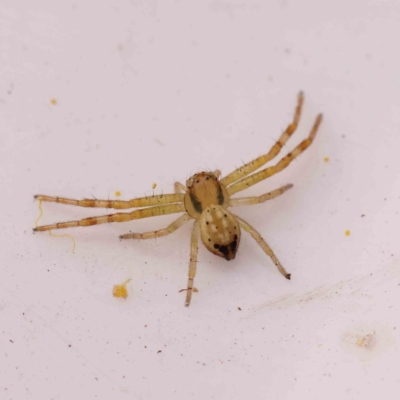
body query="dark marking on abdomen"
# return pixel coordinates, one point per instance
(233, 245)
(228, 250)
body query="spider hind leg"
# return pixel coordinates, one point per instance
(263, 244)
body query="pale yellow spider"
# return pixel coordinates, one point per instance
(205, 199)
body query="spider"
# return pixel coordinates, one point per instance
(206, 199)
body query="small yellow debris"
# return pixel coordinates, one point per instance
(326, 159)
(117, 193)
(367, 341)
(65, 235)
(154, 185)
(53, 101)
(347, 233)
(361, 342)
(50, 232)
(195, 290)
(120, 290)
(41, 213)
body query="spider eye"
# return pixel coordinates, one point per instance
(197, 181)
(207, 178)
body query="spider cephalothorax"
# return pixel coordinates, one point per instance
(204, 190)
(206, 199)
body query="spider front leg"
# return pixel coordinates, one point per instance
(263, 244)
(117, 204)
(162, 232)
(274, 151)
(247, 201)
(118, 217)
(251, 180)
(194, 247)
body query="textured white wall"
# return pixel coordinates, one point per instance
(150, 92)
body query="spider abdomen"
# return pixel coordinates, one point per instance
(220, 231)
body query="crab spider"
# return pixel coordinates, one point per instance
(206, 199)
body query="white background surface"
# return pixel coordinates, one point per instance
(151, 92)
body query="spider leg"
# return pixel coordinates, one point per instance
(263, 244)
(247, 201)
(275, 149)
(162, 232)
(282, 164)
(117, 204)
(194, 247)
(179, 188)
(118, 217)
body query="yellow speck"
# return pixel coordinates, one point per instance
(117, 193)
(326, 159)
(347, 233)
(154, 185)
(50, 232)
(53, 101)
(361, 342)
(195, 290)
(120, 290)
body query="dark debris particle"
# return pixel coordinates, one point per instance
(159, 351)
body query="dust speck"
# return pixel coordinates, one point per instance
(159, 142)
